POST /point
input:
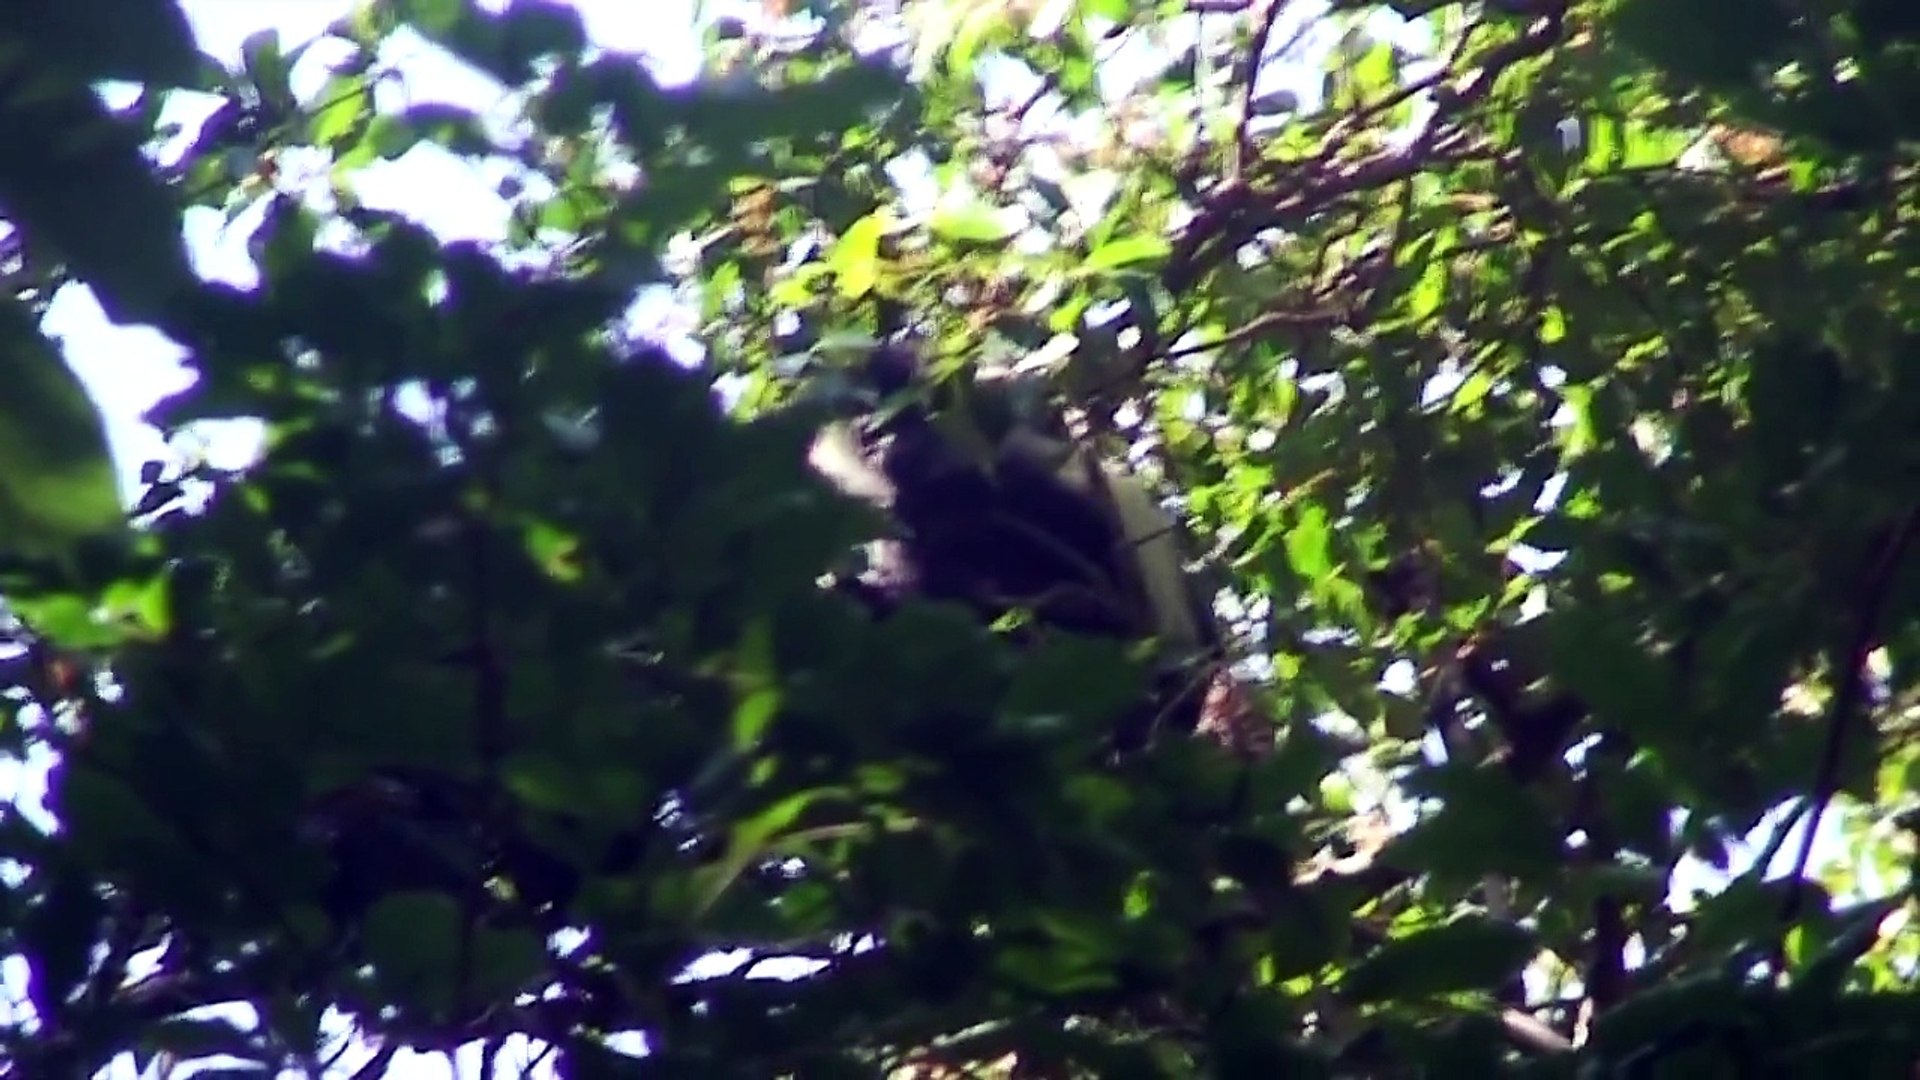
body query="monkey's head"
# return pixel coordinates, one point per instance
(928, 450)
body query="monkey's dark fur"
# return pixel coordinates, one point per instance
(1008, 528)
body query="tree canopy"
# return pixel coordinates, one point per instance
(1539, 378)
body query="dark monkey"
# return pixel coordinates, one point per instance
(999, 508)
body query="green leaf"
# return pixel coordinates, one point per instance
(143, 603)
(1127, 250)
(506, 961)
(756, 712)
(1711, 42)
(1310, 544)
(1472, 391)
(343, 106)
(414, 940)
(268, 67)
(1430, 291)
(1824, 974)
(855, 259)
(432, 17)
(1377, 70)
(1082, 682)
(1469, 953)
(57, 480)
(748, 842)
(980, 25)
(974, 222)
(1486, 824)
(1624, 683)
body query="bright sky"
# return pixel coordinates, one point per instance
(128, 369)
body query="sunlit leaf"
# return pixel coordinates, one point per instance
(856, 257)
(1127, 251)
(974, 222)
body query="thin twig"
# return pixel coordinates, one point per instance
(1248, 75)
(1866, 632)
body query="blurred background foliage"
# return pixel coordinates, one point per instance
(1540, 377)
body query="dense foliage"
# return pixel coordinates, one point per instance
(1540, 377)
